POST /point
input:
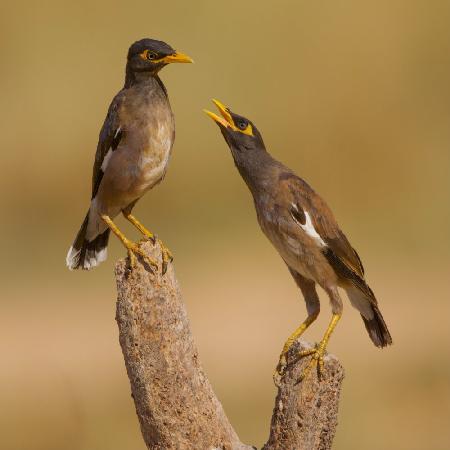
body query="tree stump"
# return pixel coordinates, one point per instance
(175, 403)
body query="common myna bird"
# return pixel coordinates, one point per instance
(305, 233)
(133, 152)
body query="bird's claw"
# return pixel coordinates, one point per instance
(131, 259)
(167, 256)
(148, 236)
(317, 355)
(133, 250)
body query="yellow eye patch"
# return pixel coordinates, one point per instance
(248, 130)
(239, 126)
(149, 55)
(175, 57)
(230, 120)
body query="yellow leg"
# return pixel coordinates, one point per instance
(279, 371)
(167, 256)
(318, 352)
(298, 332)
(132, 247)
(140, 227)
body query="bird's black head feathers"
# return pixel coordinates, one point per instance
(239, 132)
(147, 57)
(246, 145)
(245, 137)
(159, 47)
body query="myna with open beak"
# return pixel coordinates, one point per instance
(305, 233)
(133, 152)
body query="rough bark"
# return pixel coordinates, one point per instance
(175, 403)
(305, 413)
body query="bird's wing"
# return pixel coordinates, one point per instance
(306, 206)
(110, 136)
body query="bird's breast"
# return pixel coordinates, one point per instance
(156, 151)
(153, 138)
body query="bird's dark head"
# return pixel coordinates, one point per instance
(149, 56)
(240, 133)
(246, 145)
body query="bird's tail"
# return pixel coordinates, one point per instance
(86, 254)
(363, 299)
(377, 328)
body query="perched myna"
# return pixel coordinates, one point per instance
(304, 231)
(133, 152)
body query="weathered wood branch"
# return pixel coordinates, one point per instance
(175, 403)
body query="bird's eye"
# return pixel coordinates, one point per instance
(242, 125)
(152, 56)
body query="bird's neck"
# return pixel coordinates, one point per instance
(133, 78)
(257, 168)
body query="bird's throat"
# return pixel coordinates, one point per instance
(256, 167)
(133, 77)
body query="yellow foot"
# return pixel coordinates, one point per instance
(167, 256)
(316, 361)
(133, 250)
(150, 237)
(282, 363)
(317, 353)
(132, 259)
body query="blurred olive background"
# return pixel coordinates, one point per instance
(354, 96)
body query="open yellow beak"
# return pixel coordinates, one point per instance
(177, 57)
(226, 120)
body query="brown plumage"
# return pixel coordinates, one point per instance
(132, 155)
(303, 229)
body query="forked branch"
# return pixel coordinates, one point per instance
(175, 403)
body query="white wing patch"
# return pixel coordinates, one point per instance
(109, 153)
(106, 160)
(309, 229)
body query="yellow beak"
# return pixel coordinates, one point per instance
(177, 57)
(226, 120)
